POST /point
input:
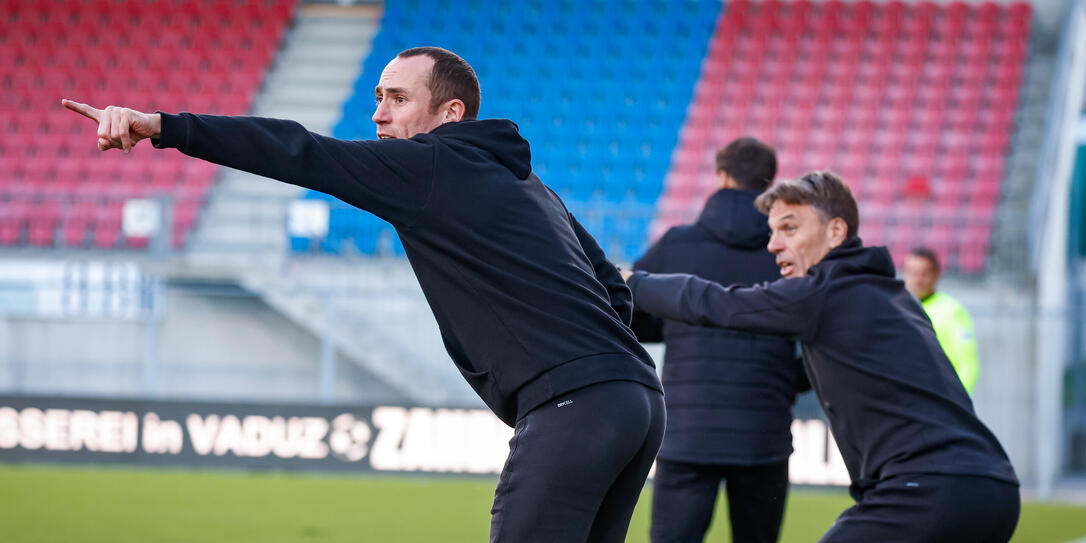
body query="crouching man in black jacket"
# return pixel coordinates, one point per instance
(530, 310)
(923, 467)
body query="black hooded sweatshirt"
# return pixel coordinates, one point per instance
(528, 306)
(729, 393)
(893, 401)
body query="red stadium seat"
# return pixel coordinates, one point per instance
(42, 224)
(13, 218)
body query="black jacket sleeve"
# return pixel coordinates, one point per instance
(786, 307)
(390, 178)
(606, 273)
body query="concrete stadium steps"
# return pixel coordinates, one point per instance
(315, 72)
(309, 81)
(1009, 250)
(379, 319)
(209, 340)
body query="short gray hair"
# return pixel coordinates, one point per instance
(822, 190)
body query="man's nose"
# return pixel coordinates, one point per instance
(774, 246)
(380, 115)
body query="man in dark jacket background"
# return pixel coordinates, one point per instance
(924, 468)
(729, 394)
(530, 310)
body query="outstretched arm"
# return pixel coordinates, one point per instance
(390, 178)
(786, 307)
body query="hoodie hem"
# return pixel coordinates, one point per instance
(582, 372)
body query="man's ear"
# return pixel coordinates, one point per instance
(837, 231)
(725, 180)
(454, 111)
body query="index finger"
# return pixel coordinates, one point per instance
(89, 112)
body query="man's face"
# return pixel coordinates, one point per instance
(403, 99)
(800, 238)
(920, 276)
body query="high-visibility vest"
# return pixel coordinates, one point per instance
(954, 328)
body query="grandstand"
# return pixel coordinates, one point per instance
(909, 103)
(940, 115)
(918, 104)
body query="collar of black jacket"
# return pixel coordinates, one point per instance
(859, 259)
(730, 216)
(500, 137)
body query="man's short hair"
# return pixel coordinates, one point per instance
(451, 77)
(929, 255)
(823, 191)
(751, 163)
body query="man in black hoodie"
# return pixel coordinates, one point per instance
(530, 311)
(729, 393)
(923, 467)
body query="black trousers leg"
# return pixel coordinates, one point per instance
(575, 472)
(756, 497)
(931, 509)
(683, 498)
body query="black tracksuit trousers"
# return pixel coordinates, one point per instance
(577, 465)
(929, 508)
(684, 496)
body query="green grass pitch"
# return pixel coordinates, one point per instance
(115, 505)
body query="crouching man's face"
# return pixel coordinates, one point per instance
(801, 236)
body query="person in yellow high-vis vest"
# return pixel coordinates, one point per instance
(952, 323)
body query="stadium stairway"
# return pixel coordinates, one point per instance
(382, 323)
(309, 81)
(241, 230)
(380, 318)
(376, 314)
(1009, 252)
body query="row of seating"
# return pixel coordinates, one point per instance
(81, 220)
(56, 188)
(866, 13)
(198, 12)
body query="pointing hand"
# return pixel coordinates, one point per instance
(119, 127)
